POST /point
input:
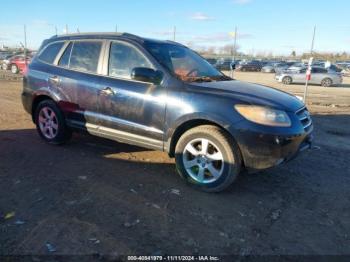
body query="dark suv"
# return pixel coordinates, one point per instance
(164, 96)
(252, 66)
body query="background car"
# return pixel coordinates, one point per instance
(269, 68)
(251, 66)
(319, 76)
(297, 66)
(5, 61)
(212, 61)
(225, 65)
(18, 64)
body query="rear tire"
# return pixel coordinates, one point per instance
(327, 82)
(51, 124)
(208, 158)
(287, 80)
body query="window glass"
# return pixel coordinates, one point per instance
(123, 59)
(64, 60)
(50, 52)
(85, 56)
(182, 61)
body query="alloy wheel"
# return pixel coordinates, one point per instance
(48, 122)
(203, 160)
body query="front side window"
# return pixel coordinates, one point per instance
(183, 62)
(123, 58)
(85, 56)
(49, 54)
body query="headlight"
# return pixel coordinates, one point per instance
(263, 115)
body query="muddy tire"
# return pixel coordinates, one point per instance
(51, 124)
(208, 158)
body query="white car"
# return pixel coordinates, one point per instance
(319, 76)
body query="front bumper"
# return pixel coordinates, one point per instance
(261, 151)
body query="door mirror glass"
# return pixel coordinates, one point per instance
(145, 74)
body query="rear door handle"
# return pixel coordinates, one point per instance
(54, 79)
(108, 91)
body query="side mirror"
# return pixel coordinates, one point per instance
(145, 74)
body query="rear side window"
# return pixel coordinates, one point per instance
(50, 52)
(123, 58)
(85, 56)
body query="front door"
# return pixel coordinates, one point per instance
(132, 111)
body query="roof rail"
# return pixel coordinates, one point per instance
(127, 35)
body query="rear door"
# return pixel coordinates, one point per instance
(316, 75)
(299, 77)
(76, 79)
(132, 111)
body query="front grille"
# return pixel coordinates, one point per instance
(305, 119)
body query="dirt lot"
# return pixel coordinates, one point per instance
(94, 196)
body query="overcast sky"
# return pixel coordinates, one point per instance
(263, 25)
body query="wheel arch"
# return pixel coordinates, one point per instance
(187, 124)
(36, 101)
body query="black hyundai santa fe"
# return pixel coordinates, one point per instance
(164, 96)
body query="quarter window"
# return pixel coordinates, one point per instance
(123, 58)
(50, 52)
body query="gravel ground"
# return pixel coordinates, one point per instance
(94, 196)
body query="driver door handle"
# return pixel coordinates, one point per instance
(108, 91)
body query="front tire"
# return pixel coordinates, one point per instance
(208, 158)
(50, 123)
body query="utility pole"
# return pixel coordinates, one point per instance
(313, 41)
(25, 44)
(234, 51)
(308, 72)
(56, 29)
(116, 28)
(174, 33)
(66, 29)
(234, 45)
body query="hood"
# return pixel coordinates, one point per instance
(250, 94)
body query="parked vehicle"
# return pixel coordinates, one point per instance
(282, 66)
(5, 61)
(162, 95)
(296, 67)
(250, 66)
(212, 61)
(224, 66)
(319, 76)
(18, 63)
(269, 68)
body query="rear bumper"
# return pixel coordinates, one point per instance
(261, 151)
(27, 100)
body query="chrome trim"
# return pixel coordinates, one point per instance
(118, 135)
(120, 121)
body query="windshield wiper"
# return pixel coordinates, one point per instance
(221, 78)
(199, 79)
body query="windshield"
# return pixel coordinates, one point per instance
(184, 63)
